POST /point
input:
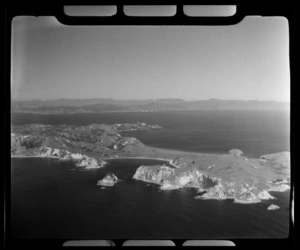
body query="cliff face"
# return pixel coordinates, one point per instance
(210, 185)
(81, 159)
(170, 178)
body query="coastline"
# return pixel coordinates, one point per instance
(105, 159)
(180, 173)
(203, 161)
(222, 175)
(182, 152)
(141, 157)
(34, 156)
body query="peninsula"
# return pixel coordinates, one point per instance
(215, 176)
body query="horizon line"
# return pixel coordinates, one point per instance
(154, 99)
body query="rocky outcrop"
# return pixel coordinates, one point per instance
(169, 178)
(156, 174)
(54, 152)
(278, 185)
(217, 192)
(211, 187)
(235, 152)
(25, 145)
(273, 207)
(179, 162)
(76, 156)
(279, 188)
(134, 126)
(247, 198)
(108, 181)
(278, 162)
(80, 159)
(265, 195)
(90, 163)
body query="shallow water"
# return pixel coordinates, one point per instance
(52, 199)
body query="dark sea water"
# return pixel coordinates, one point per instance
(53, 199)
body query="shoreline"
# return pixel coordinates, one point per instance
(180, 151)
(143, 158)
(33, 156)
(199, 154)
(162, 187)
(104, 159)
(223, 175)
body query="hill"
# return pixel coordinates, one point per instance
(107, 105)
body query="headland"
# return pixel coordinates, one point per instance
(215, 176)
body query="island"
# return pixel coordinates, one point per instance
(108, 181)
(273, 207)
(214, 176)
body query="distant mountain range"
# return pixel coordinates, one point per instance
(111, 105)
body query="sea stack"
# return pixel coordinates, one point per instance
(109, 180)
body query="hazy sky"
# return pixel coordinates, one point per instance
(244, 62)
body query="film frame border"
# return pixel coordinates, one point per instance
(255, 8)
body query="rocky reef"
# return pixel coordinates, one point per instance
(108, 181)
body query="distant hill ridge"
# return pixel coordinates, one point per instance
(107, 104)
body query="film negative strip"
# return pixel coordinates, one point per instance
(150, 125)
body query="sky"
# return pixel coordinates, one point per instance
(246, 61)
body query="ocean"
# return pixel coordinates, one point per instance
(54, 199)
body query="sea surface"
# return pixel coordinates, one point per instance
(56, 199)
